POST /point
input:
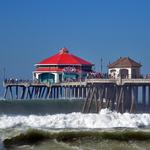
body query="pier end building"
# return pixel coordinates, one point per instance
(61, 67)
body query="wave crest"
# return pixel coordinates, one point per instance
(105, 119)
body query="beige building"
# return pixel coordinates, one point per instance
(124, 67)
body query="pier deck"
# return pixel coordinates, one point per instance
(86, 82)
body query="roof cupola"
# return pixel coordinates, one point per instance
(64, 50)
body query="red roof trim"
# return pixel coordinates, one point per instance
(62, 65)
(55, 70)
(49, 69)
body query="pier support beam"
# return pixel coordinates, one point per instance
(149, 99)
(5, 92)
(144, 97)
(133, 99)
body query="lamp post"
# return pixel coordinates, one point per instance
(4, 73)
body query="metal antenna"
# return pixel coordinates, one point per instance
(101, 65)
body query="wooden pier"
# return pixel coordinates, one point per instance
(121, 95)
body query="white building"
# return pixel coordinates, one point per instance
(124, 67)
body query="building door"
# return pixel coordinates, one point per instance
(135, 73)
(47, 78)
(124, 73)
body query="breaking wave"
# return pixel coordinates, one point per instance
(105, 119)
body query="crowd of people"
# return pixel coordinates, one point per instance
(70, 69)
(12, 80)
(16, 81)
(147, 76)
(97, 75)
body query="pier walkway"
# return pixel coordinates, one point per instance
(85, 82)
(117, 94)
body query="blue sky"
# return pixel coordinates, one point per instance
(31, 30)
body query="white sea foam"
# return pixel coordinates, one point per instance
(105, 119)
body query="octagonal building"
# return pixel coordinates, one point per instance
(61, 67)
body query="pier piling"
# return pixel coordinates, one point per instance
(122, 96)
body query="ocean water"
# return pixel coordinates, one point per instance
(117, 131)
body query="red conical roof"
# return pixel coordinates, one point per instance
(64, 58)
